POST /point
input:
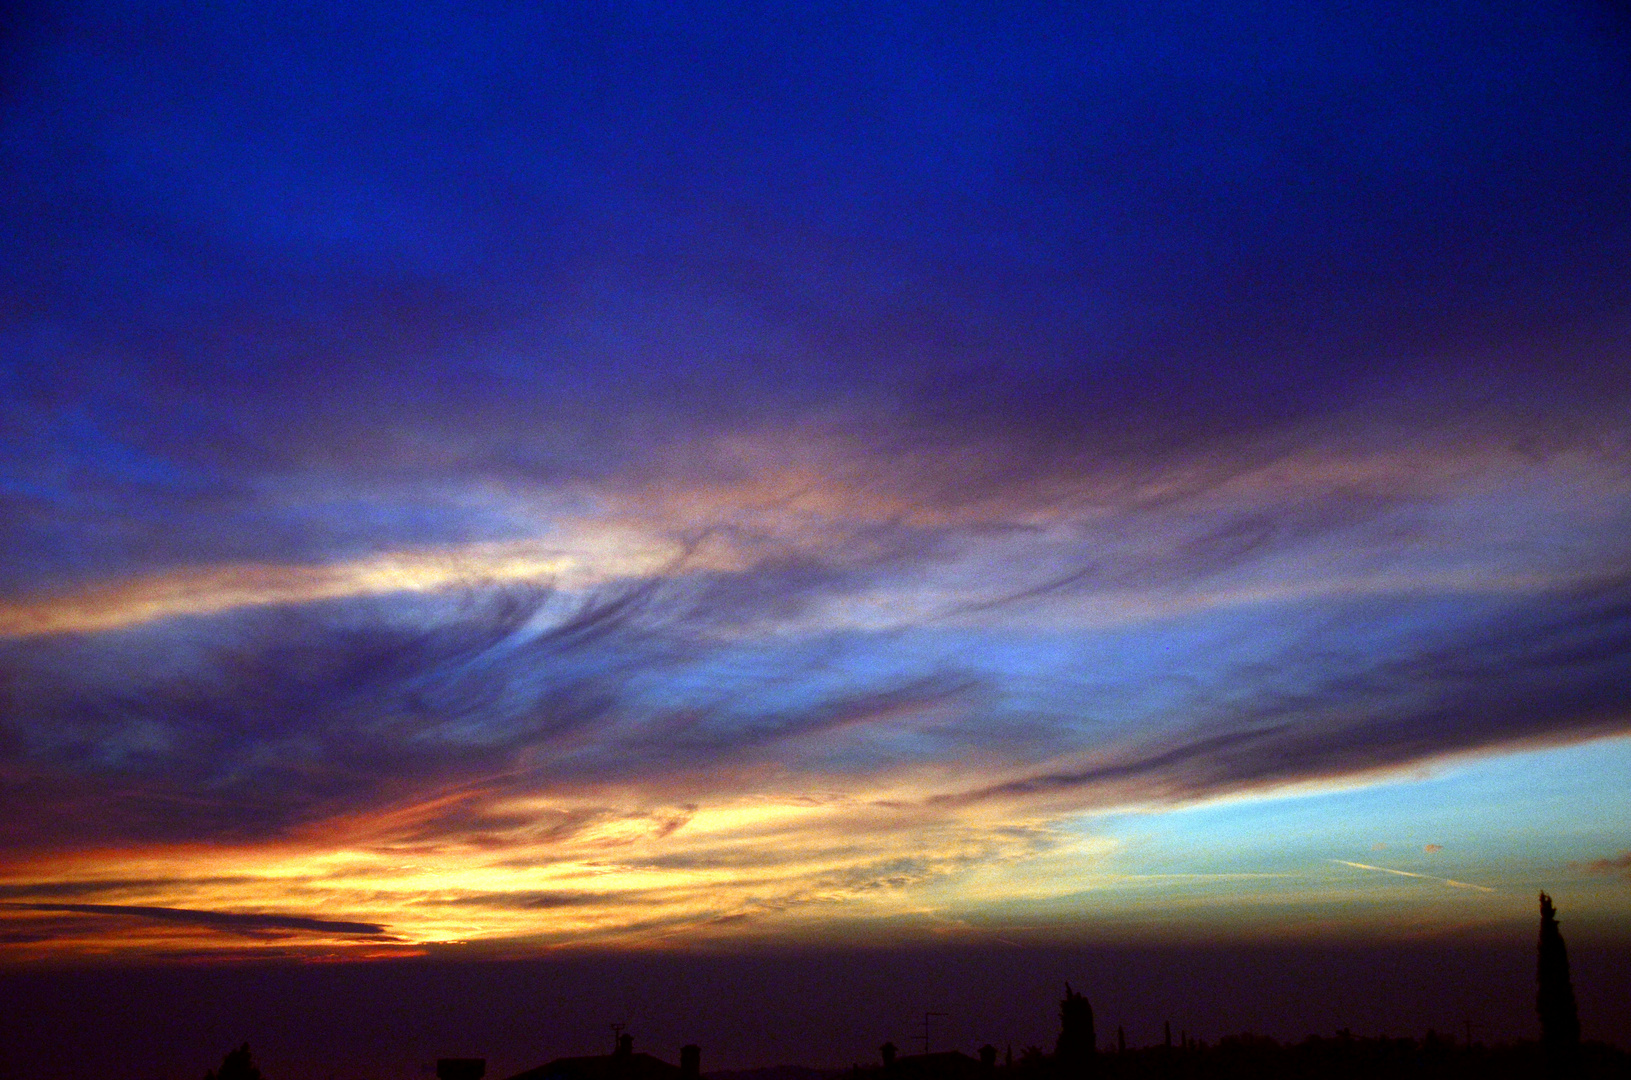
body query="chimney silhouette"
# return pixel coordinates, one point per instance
(625, 1045)
(988, 1058)
(887, 1051)
(691, 1061)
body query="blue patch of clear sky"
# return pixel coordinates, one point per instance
(1502, 821)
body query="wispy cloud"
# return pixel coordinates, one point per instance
(214, 589)
(886, 469)
(248, 924)
(1618, 864)
(506, 761)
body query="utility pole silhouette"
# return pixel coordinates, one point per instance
(925, 1035)
(1554, 998)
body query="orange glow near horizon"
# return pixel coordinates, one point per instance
(848, 866)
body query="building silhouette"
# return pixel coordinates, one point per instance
(622, 1064)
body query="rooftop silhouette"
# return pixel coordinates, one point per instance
(1557, 1053)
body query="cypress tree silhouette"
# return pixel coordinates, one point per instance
(1554, 998)
(1076, 1046)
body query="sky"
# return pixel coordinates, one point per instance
(495, 481)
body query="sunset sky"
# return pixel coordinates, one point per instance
(483, 481)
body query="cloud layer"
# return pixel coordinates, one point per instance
(532, 477)
(802, 681)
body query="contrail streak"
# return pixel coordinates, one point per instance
(1406, 873)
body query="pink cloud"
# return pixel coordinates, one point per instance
(1619, 864)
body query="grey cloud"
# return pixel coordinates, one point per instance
(1246, 536)
(252, 724)
(747, 725)
(249, 724)
(305, 712)
(1554, 668)
(1072, 581)
(29, 890)
(777, 588)
(540, 901)
(471, 820)
(1158, 764)
(248, 925)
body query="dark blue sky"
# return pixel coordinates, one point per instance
(242, 239)
(1248, 199)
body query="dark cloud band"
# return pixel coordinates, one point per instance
(232, 922)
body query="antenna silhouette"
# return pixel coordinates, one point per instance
(925, 1035)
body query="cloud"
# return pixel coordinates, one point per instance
(750, 679)
(259, 720)
(1618, 864)
(760, 471)
(1550, 671)
(534, 768)
(1159, 765)
(309, 711)
(1432, 849)
(537, 901)
(248, 925)
(207, 591)
(35, 889)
